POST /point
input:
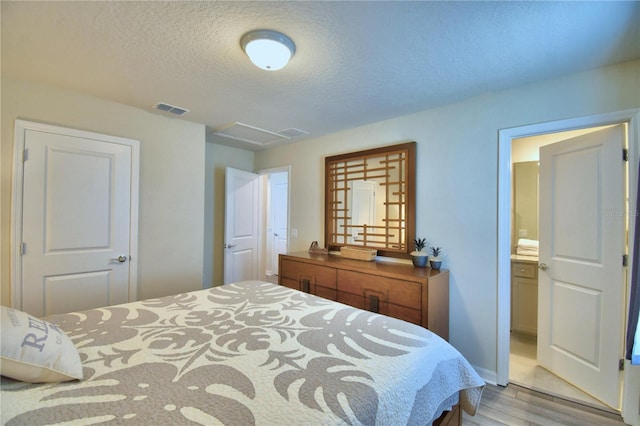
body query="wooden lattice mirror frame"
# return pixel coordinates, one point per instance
(390, 173)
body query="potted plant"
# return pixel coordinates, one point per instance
(420, 256)
(435, 259)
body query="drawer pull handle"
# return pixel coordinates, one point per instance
(305, 285)
(374, 304)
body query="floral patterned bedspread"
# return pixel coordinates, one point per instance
(244, 354)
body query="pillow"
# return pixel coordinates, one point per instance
(36, 351)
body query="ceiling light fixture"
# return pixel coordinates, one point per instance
(267, 49)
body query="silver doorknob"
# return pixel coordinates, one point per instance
(120, 259)
(543, 266)
(229, 245)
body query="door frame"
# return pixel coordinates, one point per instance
(264, 203)
(505, 137)
(20, 128)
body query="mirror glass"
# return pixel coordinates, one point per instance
(525, 201)
(370, 200)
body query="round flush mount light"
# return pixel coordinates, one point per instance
(267, 49)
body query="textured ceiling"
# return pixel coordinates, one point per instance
(355, 62)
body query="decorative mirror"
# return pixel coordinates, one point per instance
(370, 200)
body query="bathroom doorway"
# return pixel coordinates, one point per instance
(520, 364)
(524, 361)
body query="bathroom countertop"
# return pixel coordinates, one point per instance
(522, 258)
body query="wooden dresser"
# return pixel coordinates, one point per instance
(417, 295)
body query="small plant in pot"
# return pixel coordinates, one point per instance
(420, 256)
(435, 259)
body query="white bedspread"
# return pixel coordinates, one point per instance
(242, 354)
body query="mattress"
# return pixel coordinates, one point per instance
(249, 353)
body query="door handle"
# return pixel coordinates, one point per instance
(543, 266)
(120, 259)
(229, 245)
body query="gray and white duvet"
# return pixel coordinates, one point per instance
(249, 353)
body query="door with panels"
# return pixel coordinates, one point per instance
(76, 232)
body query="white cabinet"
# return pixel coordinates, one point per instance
(524, 296)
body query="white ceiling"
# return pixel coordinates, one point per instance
(355, 62)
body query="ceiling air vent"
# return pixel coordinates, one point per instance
(171, 109)
(248, 134)
(292, 133)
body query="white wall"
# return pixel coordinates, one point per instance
(218, 157)
(172, 152)
(457, 181)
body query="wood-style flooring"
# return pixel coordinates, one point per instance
(515, 405)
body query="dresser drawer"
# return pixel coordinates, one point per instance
(317, 275)
(524, 270)
(417, 295)
(389, 290)
(288, 282)
(380, 306)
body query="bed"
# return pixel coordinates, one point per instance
(249, 353)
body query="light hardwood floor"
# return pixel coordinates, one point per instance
(515, 405)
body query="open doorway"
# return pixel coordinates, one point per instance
(256, 223)
(524, 366)
(275, 226)
(506, 137)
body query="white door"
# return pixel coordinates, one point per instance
(581, 291)
(242, 191)
(278, 206)
(76, 219)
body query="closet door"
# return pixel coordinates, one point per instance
(76, 220)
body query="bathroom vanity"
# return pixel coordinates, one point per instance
(524, 294)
